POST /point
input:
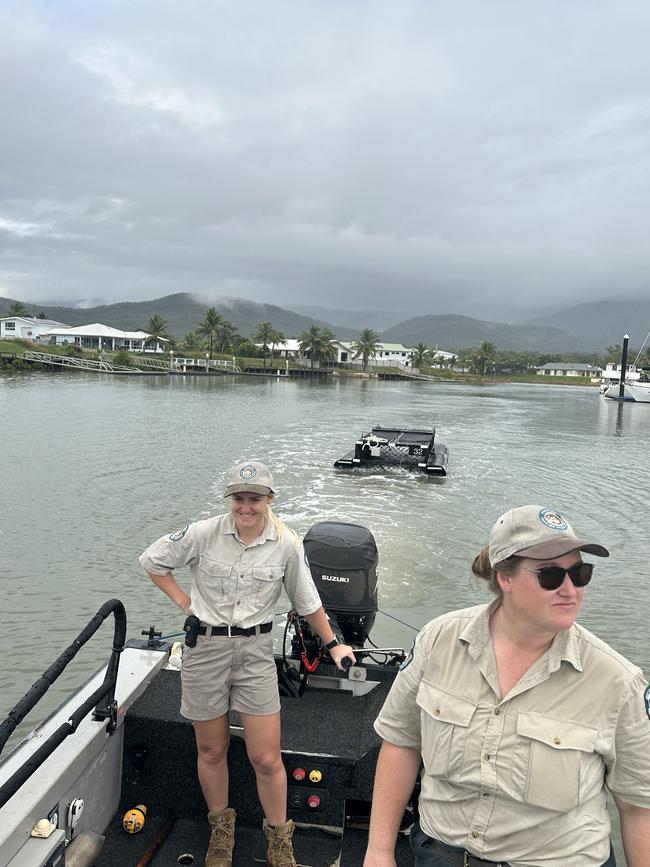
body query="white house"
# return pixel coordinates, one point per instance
(385, 352)
(98, 336)
(27, 327)
(554, 368)
(287, 349)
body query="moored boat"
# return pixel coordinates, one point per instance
(638, 391)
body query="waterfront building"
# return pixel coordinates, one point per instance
(98, 336)
(555, 368)
(27, 327)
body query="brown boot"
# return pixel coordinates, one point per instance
(279, 851)
(222, 841)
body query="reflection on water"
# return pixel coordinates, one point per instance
(94, 468)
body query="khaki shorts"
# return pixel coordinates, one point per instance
(223, 673)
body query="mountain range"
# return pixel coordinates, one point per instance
(586, 327)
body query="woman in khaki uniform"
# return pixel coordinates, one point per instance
(239, 562)
(520, 718)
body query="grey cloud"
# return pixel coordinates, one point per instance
(464, 157)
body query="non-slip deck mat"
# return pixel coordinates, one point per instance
(312, 847)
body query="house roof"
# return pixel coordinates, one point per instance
(32, 320)
(381, 347)
(553, 365)
(97, 330)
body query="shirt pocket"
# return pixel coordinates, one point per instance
(267, 584)
(444, 720)
(551, 758)
(219, 582)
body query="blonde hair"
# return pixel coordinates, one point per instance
(281, 527)
(482, 569)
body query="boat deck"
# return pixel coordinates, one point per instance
(327, 729)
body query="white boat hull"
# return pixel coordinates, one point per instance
(639, 392)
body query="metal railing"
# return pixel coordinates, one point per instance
(102, 699)
(178, 363)
(103, 365)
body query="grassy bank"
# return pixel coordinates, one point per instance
(19, 346)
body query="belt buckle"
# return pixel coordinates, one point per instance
(229, 632)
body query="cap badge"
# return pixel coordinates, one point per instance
(248, 472)
(553, 520)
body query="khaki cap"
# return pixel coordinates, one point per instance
(538, 533)
(251, 476)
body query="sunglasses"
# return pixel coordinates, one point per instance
(552, 577)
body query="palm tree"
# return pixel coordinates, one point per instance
(210, 325)
(17, 308)
(264, 334)
(191, 343)
(487, 352)
(276, 338)
(421, 355)
(225, 335)
(366, 345)
(317, 343)
(156, 327)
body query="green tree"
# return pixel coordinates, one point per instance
(191, 343)
(225, 335)
(17, 308)
(614, 352)
(316, 343)
(421, 356)
(156, 327)
(210, 325)
(486, 354)
(276, 338)
(246, 348)
(265, 334)
(41, 315)
(366, 345)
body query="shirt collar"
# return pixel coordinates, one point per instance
(476, 635)
(230, 529)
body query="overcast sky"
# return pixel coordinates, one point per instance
(429, 157)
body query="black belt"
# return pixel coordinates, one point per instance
(236, 630)
(461, 857)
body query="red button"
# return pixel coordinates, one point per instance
(298, 774)
(313, 801)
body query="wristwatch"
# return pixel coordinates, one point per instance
(332, 643)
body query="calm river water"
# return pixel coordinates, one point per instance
(93, 468)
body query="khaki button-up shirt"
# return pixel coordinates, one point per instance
(233, 583)
(520, 779)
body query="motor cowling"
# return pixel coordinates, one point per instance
(343, 561)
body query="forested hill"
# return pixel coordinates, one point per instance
(452, 333)
(183, 312)
(588, 327)
(603, 323)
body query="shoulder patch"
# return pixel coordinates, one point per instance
(175, 537)
(408, 659)
(646, 700)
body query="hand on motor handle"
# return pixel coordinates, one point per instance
(341, 652)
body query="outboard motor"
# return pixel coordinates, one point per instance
(343, 562)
